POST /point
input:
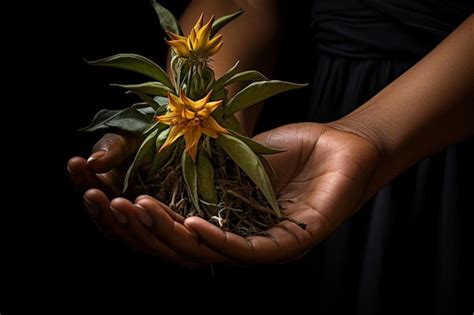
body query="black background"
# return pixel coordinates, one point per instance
(51, 248)
(52, 252)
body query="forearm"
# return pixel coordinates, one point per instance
(252, 39)
(428, 108)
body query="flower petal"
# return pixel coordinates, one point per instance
(211, 128)
(212, 106)
(198, 24)
(215, 49)
(174, 36)
(203, 113)
(168, 118)
(214, 41)
(188, 114)
(202, 36)
(199, 104)
(174, 103)
(180, 47)
(191, 136)
(175, 132)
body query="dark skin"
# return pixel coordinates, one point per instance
(329, 169)
(328, 163)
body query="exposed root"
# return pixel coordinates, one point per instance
(242, 209)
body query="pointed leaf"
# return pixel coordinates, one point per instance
(162, 158)
(256, 147)
(168, 21)
(190, 178)
(151, 127)
(223, 21)
(144, 155)
(135, 63)
(153, 88)
(205, 172)
(251, 164)
(98, 122)
(181, 70)
(146, 110)
(219, 84)
(162, 101)
(162, 136)
(231, 123)
(257, 92)
(129, 119)
(147, 99)
(219, 95)
(250, 75)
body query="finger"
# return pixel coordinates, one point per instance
(174, 215)
(279, 246)
(85, 179)
(139, 223)
(112, 151)
(98, 205)
(176, 235)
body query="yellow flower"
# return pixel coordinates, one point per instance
(191, 119)
(198, 45)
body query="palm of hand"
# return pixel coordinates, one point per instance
(324, 177)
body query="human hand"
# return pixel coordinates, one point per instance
(324, 176)
(101, 177)
(327, 183)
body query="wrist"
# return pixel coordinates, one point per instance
(384, 169)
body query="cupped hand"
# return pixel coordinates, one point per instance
(148, 225)
(323, 177)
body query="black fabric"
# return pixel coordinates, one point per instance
(408, 250)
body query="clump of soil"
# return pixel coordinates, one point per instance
(242, 208)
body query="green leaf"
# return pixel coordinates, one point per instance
(99, 120)
(223, 21)
(135, 63)
(251, 164)
(257, 92)
(190, 178)
(256, 147)
(162, 136)
(130, 119)
(219, 95)
(151, 127)
(162, 101)
(250, 75)
(232, 123)
(147, 111)
(147, 99)
(144, 155)
(219, 84)
(161, 110)
(161, 158)
(153, 88)
(181, 70)
(205, 172)
(168, 21)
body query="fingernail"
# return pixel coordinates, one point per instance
(121, 218)
(96, 155)
(92, 209)
(143, 215)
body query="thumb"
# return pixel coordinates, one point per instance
(112, 151)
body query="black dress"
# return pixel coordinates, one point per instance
(408, 250)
